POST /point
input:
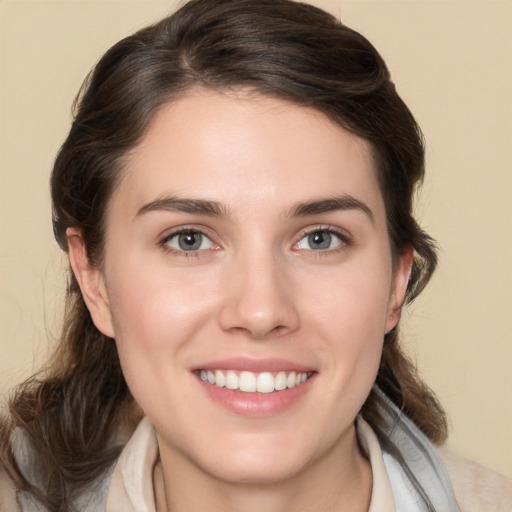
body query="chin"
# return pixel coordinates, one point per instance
(256, 470)
(258, 459)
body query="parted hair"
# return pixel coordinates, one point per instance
(73, 411)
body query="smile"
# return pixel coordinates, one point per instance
(249, 382)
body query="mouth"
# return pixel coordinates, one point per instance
(249, 382)
(256, 388)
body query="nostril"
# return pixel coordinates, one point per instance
(260, 330)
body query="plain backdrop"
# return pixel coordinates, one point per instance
(452, 63)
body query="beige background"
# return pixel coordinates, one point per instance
(452, 62)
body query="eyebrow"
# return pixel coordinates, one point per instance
(332, 204)
(185, 205)
(216, 209)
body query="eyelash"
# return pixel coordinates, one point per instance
(344, 240)
(163, 243)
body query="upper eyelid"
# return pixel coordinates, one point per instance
(343, 233)
(345, 240)
(168, 233)
(165, 245)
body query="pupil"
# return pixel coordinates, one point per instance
(320, 240)
(189, 241)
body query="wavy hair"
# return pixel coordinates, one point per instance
(73, 411)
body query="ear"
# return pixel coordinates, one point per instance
(91, 282)
(401, 274)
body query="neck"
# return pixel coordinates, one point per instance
(339, 481)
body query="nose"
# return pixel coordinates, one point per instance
(258, 299)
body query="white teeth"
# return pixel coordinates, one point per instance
(249, 382)
(220, 380)
(280, 381)
(265, 383)
(231, 380)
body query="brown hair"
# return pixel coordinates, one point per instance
(73, 411)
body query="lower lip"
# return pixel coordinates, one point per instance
(256, 405)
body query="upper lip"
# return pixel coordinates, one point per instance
(255, 365)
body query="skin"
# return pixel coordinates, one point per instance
(256, 288)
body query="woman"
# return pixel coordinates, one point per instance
(235, 197)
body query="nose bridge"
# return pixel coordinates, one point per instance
(258, 299)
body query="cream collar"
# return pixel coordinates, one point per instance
(131, 484)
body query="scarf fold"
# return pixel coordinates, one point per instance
(418, 477)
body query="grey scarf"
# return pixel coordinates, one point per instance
(418, 477)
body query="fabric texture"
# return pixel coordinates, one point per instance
(408, 472)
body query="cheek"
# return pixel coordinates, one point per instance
(349, 316)
(352, 301)
(155, 315)
(149, 304)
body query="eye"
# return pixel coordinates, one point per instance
(321, 240)
(189, 241)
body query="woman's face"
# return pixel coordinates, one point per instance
(247, 252)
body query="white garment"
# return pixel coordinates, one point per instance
(131, 484)
(128, 485)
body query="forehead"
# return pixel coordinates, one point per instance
(243, 149)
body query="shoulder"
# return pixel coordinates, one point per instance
(476, 487)
(8, 502)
